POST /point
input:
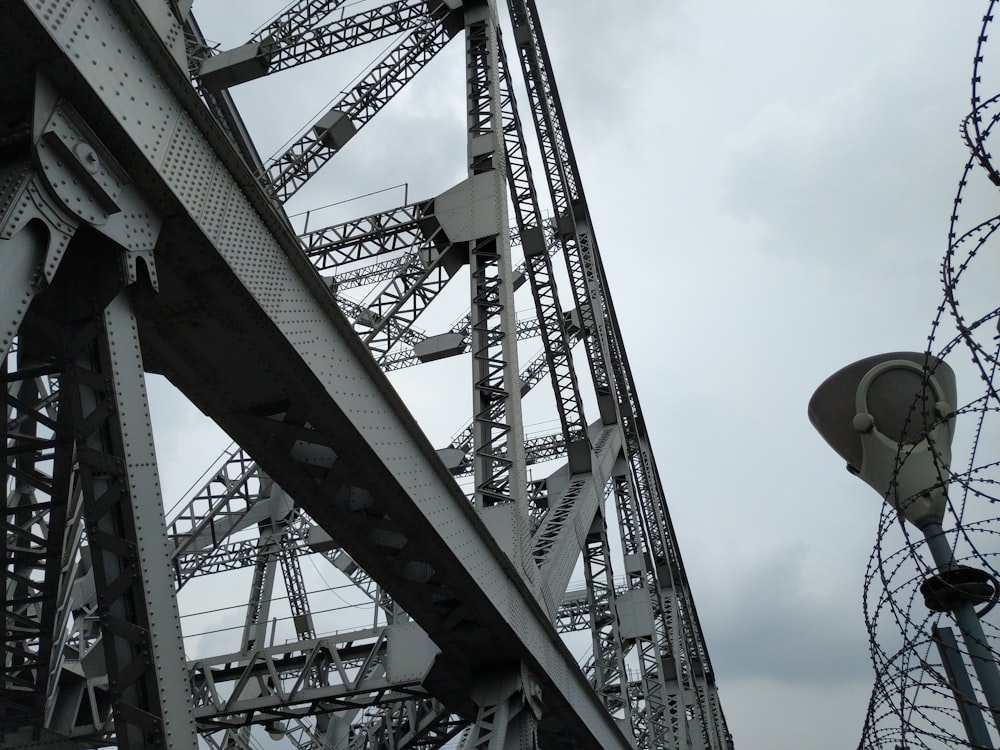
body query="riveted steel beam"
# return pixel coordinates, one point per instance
(245, 327)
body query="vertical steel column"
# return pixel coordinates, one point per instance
(36, 473)
(258, 610)
(692, 692)
(538, 266)
(123, 514)
(610, 672)
(650, 707)
(507, 719)
(502, 723)
(295, 587)
(498, 435)
(261, 590)
(565, 189)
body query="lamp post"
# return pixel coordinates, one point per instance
(891, 417)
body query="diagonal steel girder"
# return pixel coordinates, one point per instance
(295, 166)
(527, 328)
(304, 14)
(245, 327)
(288, 47)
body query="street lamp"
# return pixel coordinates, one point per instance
(891, 417)
(275, 729)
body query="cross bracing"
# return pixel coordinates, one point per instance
(161, 245)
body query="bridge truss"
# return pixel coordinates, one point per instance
(141, 233)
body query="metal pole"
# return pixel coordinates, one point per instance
(962, 690)
(968, 623)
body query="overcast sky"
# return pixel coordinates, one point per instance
(770, 183)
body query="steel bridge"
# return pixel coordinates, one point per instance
(141, 233)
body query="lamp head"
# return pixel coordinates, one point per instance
(890, 417)
(275, 729)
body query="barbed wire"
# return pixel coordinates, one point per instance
(916, 701)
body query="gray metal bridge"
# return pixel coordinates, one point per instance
(140, 233)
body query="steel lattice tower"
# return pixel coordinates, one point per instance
(141, 233)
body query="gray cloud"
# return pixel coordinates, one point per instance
(770, 184)
(784, 622)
